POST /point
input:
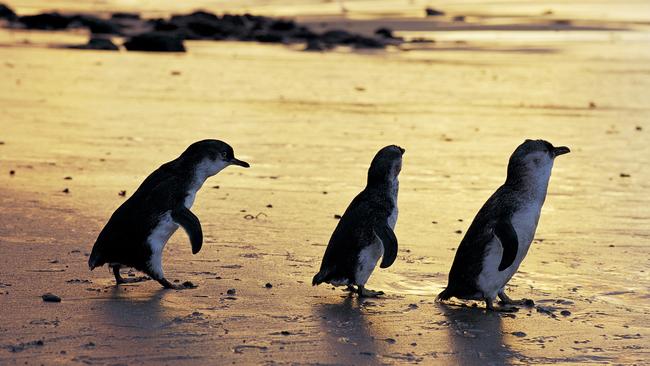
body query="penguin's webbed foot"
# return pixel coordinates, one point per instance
(505, 300)
(350, 288)
(170, 286)
(364, 292)
(135, 279)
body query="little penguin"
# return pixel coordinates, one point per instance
(365, 231)
(138, 230)
(499, 237)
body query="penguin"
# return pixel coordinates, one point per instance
(501, 233)
(138, 230)
(365, 231)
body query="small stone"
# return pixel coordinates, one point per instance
(592, 105)
(215, 187)
(639, 128)
(458, 231)
(188, 284)
(285, 333)
(624, 175)
(337, 216)
(122, 193)
(459, 18)
(50, 297)
(390, 340)
(565, 312)
(12, 172)
(269, 206)
(434, 222)
(68, 178)
(268, 285)
(231, 291)
(431, 12)
(66, 190)
(518, 334)
(324, 192)
(39, 343)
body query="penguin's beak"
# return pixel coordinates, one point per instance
(402, 150)
(235, 161)
(561, 150)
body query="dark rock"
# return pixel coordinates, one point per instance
(268, 285)
(459, 18)
(96, 25)
(624, 175)
(66, 190)
(122, 193)
(269, 37)
(96, 43)
(384, 32)
(122, 15)
(12, 172)
(367, 42)
(337, 37)
(231, 291)
(316, 45)
(46, 21)
(283, 25)
(338, 217)
(431, 12)
(518, 334)
(189, 284)
(565, 312)
(7, 13)
(285, 333)
(50, 297)
(155, 42)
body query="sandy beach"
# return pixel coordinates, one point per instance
(97, 123)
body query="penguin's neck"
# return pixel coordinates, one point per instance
(390, 186)
(534, 184)
(202, 171)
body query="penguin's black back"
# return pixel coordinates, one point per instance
(123, 239)
(353, 233)
(468, 262)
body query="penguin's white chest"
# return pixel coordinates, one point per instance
(491, 280)
(157, 240)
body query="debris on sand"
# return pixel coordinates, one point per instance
(189, 284)
(50, 297)
(337, 216)
(22, 346)
(66, 190)
(565, 312)
(624, 175)
(268, 285)
(121, 193)
(97, 43)
(12, 172)
(518, 334)
(459, 18)
(231, 291)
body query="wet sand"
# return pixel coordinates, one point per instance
(309, 124)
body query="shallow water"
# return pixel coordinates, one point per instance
(310, 124)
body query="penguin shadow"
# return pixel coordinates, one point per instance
(129, 310)
(475, 336)
(349, 335)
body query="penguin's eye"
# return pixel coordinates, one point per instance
(224, 155)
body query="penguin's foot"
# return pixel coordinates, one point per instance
(134, 279)
(184, 286)
(364, 292)
(505, 300)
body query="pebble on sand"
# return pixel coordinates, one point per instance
(518, 334)
(431, 12)
(268, 285)
(12, 172)
(231, 291)
(66, 190)
(565, 312)
(337, 216)
(624, 175)
(50, 297)
(122, 193)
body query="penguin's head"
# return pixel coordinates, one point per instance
(533, 159)
(386, 165)
(212, 155)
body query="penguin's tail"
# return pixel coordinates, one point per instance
(95, 260)
(444, 295)
(319, 278)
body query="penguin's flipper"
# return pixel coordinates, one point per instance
(508, 238)
(185, 218)
(389, 240)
